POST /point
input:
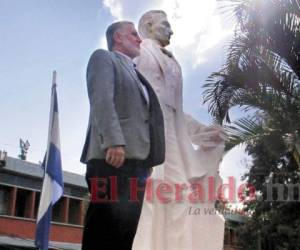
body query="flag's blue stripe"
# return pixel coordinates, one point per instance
(54, 164)
(42, 230)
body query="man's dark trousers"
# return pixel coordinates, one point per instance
(112, 224)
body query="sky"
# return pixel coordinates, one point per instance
(38, 37)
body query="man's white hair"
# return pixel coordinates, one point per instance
(111, 31)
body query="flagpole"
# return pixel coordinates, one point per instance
(54, 78)
(53, 186)
(53, 87)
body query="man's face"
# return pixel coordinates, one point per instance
(161, 30)
(129, 41)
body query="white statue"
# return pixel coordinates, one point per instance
(171, 219)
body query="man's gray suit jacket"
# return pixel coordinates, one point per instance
(119, 113)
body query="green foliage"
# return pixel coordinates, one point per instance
(262, 75)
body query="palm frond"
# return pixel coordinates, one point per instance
(288, 79)
(244, 130)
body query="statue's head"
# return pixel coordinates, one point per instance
(154, 25)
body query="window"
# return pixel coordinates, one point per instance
(4, 199)
(74, 211)
(22, 203)
(57, 211)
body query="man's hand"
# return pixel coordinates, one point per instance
(115, 156)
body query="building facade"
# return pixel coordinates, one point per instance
(20, 185)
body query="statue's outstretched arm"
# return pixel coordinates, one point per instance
(193, 126)
(204, 136)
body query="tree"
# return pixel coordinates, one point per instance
(262, 75)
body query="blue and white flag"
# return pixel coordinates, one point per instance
(53, 185)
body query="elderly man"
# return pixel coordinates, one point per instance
(125, 138)
(170, 226)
